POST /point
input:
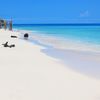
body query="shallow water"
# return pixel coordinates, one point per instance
(78, 37)
(75, 46)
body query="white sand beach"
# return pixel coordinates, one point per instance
(26, 73)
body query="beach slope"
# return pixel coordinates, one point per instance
(26, 73)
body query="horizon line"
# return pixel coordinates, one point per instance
(56, 24)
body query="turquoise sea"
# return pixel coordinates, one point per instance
(84, 37)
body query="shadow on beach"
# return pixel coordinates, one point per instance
(84, 62)
(87, 63)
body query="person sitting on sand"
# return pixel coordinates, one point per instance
(6, 44)
(13, 36)
(26, 36)
(10, 46)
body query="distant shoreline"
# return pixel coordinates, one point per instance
(63, 24)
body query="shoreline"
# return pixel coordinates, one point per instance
(86, 63)
(86, 58)
(61, 43)
(27, 72)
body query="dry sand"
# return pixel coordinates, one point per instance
(26, 73)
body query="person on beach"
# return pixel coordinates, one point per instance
(26, 36)
(5, 25)
(6, 45)
(0, 25)
(10, 25)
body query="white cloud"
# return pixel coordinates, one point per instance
(84, 14)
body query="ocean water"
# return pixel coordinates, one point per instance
(76, 37)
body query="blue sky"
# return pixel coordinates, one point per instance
(51, 11)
